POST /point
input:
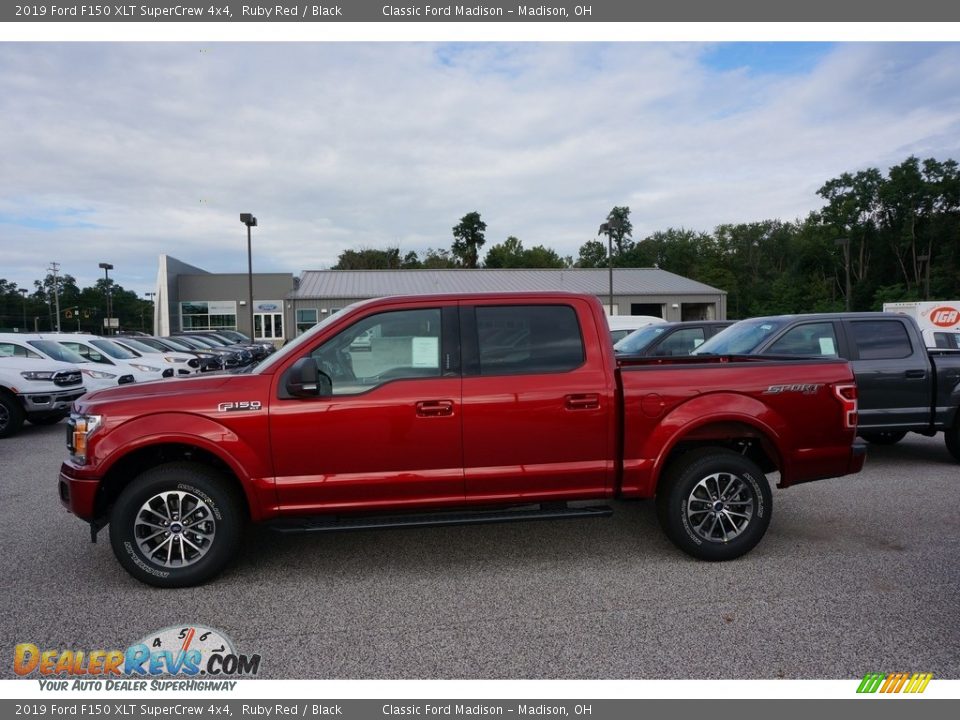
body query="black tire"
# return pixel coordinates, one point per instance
(11, 415)
(711, 473)
(205, 494)
(47, 419)
(952, 438)
(884, 437)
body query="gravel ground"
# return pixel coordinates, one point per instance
(855, 574)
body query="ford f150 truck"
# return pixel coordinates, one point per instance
(462, 409)
(35, 389)
(903, 386)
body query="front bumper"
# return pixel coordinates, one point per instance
(48, 402)
(78, 493)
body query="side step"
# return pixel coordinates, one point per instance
(333, 523)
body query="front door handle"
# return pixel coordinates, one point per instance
(586, 401)
(916, 374)
(435, 408)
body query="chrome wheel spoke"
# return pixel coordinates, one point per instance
(165, 525)
(720, 507)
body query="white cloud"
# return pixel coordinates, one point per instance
(332, 146)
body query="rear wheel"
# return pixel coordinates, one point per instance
(11, 415)
(714, 504)
(884, 437)
(176, 525)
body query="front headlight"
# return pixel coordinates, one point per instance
(37, 375)
(173, 359)
(98, 375)
(83, 427)
(145, 368)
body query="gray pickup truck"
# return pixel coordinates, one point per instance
(903, 387)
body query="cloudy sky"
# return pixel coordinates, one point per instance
(118, 152)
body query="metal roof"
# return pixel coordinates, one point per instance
(358, 284)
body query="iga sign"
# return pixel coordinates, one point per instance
(944, 316)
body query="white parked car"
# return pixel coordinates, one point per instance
(36, 389)
(106, 352)
(622, 325)
(95, 375)
(182, 363)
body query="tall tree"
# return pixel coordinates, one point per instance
(468, 238)
(617, 228)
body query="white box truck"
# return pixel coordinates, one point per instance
(938, 319)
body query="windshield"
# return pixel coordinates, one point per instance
(741, 338)
(195, 342)
(639, 339)
(113, 350)
(139, 346)
(177, 345)
(57, 351)
(214, 340)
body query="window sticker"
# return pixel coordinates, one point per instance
(697, 342)
(426, 352)
(826, 346)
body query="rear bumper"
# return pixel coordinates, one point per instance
(77, 493)
(824, 463)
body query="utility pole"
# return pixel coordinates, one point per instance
(23, 291)
(55, 268)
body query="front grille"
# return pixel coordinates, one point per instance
(67, 378)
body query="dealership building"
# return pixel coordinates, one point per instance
(190, 298)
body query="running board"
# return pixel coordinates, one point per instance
(552, 511)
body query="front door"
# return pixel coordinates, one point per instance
(389, 436)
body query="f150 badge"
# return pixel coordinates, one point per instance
(806, 389)
(239, 405)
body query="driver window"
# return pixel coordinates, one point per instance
(396, 345)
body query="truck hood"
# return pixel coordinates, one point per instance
(170, 393)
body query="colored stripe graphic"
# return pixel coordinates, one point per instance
(894, 683)
(871, 683)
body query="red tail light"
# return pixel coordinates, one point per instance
(847, 394)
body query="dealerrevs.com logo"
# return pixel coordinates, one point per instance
(186, 657)
(890, 683)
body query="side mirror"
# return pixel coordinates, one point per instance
(304, 379)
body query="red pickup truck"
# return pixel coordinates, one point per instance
(435, 410)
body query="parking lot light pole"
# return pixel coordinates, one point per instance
(107, 267)
(23, 291)
(609, 228)
(250, 221)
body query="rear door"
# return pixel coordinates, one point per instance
(538, 402)
(893, 375)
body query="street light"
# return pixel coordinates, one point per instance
(150, 296)
(107, 267)
(845, 242)
(610, 227)
(250, 221)
(23, 291)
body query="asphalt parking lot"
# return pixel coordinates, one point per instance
(856, 574)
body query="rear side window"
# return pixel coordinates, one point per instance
(812, 339)
(947, 340)
(14, 350)
(525, 339)
(881, 339)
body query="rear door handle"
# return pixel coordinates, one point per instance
(588, 401)
(435, 408)
(916, 374)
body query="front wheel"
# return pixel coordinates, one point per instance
(11, 415)
(714, 504)
(176, 525)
